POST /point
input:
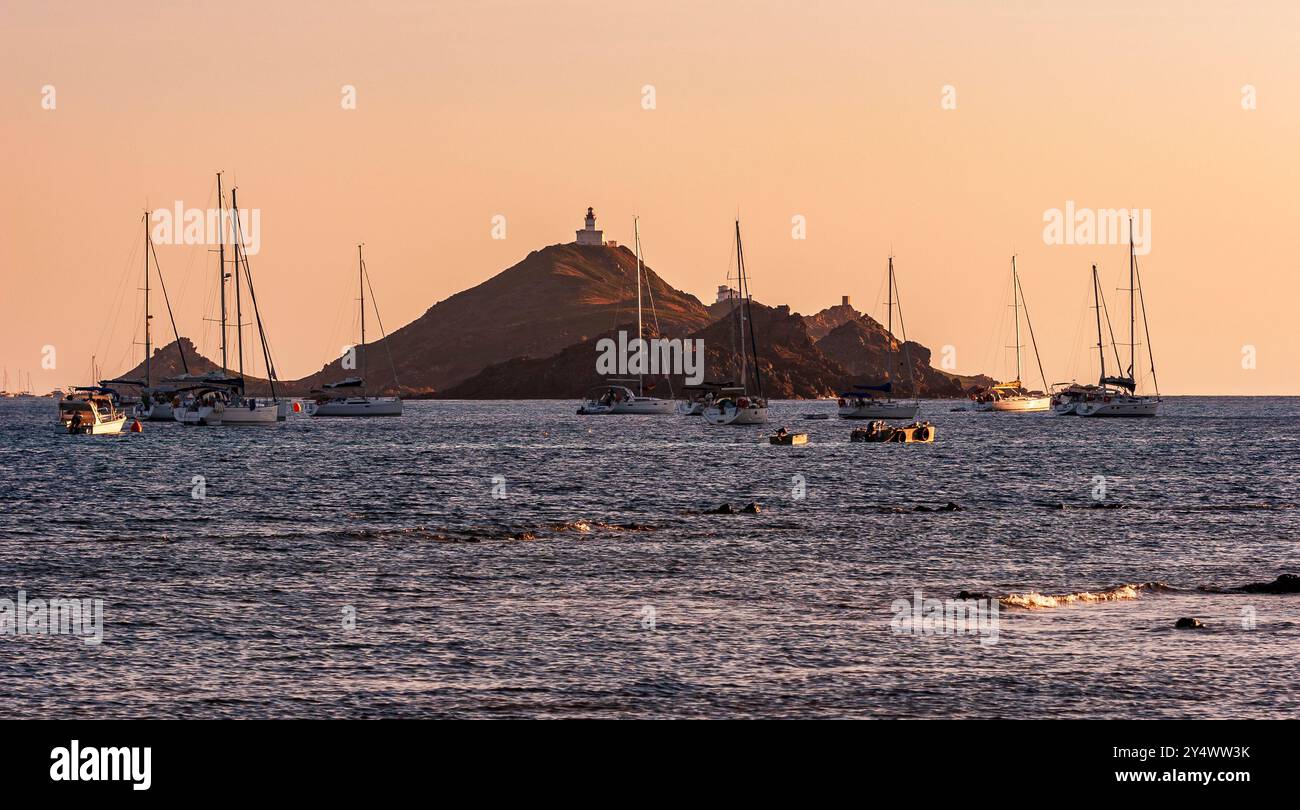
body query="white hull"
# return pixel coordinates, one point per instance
(1066, 409)
(1022, 404)
(694, 408)
(733, 415)
(645, 405)
(880, 410)
(1119, 406)
(155, 412)
(108, 426)
(637, 406)
(263, 414)
(357, 406)
(206, 416)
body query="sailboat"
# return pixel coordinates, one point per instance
(1117, 396)
(617, 397)
(219, 398)
(1012, 395)
(864, 402)
(347, 397)
(155, 401)
(737, 405)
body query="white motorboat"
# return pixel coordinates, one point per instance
(875, 401)
(348, 397)
(736, 405)
(92, 411)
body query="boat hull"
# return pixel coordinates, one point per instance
(155, 412)
(267, 414)
(1119, 407)
(1022, 404)
(695, 408)
(358, 406)
(203, 416)
(880, 410)
(735, 415)
(106, 427)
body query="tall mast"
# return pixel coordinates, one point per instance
(1015, 303)
(641, 346)
(1096, 300)
(361, 282)
(239, 311)
(746, 304)
(636, 237)
(148, 346)
(890, 319)
(221, 268)
(740, 308)
(1132, 302)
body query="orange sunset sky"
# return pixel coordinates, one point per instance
(828, 110)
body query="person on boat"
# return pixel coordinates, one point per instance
(76, 421)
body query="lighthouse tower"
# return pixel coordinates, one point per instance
(589, 235)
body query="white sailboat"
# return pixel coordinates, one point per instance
(1013, 396)
(736, 405)
(617, 398)
(220, 399)
(864, 401)
(348, 397)
(1117, 396)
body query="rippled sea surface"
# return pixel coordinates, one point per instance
(512, 559)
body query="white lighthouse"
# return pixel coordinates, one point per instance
(589, 235)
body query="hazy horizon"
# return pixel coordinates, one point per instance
(839, 113)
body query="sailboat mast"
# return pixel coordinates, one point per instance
(239, 311)
(640, 336)
(1096, 300)
(1132, 302)
(740, 308)
(148, 347)
(221, 268)
(361, 282)
(1015, 303)
(889, 317)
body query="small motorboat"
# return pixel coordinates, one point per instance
(882, 432)
(784, 436)
(91, 411)
(816, 416)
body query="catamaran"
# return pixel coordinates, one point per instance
(1118, 395)
(864, 401)
(1012, 395)
(735, 405)
(218, 398)
(348, 397)
(615, 397)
